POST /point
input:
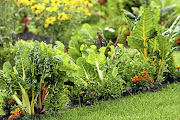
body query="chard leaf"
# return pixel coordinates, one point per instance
(142, 31)
(25, 100)
(22, 61)
(7, 68)
(174, 31)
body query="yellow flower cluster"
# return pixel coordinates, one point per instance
(38, 8)
(59, 10)
(49, 20)
(25, 2)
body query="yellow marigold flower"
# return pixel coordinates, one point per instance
(29, 2)
(11, 117)
(65, 8)
(62, 17)
(79, 9)
(38, 7)
(52, 8)
(46, 1)
(55, 2)
(46, 25)
(82, 92)
(87, 12)
(89, 4)
(50, 20)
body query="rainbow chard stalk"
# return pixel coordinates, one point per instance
(42, 97)
(121, 36)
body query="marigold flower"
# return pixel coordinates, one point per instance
(144, 73)
(87, 80)
(55, 2)
(178, 67)
(11, 117)
(52, 8)
(152, 80)
(88, 102)
(82, 92)
(122, 26)
(127, 33)
(11, 102)
(17, 112)
(99, 94)
(22, 112)
(117, 34)
(92, 93)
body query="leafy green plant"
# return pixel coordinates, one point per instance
(36, 65)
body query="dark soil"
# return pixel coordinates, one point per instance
(30, 36)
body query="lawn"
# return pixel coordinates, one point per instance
(162, 105)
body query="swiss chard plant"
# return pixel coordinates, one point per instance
(152, 43)
(38, 67)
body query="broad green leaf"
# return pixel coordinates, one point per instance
(174, 31)
(141, 33)
(22, 61)
(25, 100)
(7, 68)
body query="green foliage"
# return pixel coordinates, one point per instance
(7, 53)
(152, 44)
(85, 36)
(173, 32)
(37, 63)
(141, 33)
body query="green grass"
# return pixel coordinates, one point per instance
(162, 105)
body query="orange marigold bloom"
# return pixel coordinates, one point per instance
(144, 73)
(148, 78)
(82, 92)
(178, 67)
(138, 80)
(11, 102)
(140, 77)
(11, 117)
(17, 112)
(92, 93)
(88, 102)
(122, 26)
(99, 94)
(152, 80)
(87, 80)
(22, 112)
(127, 33)
(117, 34)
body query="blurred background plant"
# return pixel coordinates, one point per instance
(55, 19)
